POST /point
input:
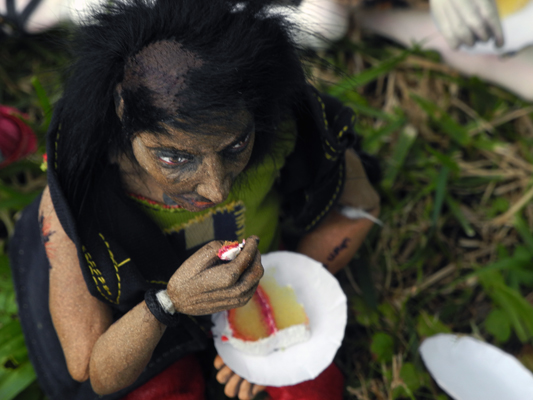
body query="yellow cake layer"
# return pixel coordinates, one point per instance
(286, 309)
(508, 7)
(248, 321)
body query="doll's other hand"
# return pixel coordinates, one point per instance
(465, 22)
(203, 285)
(235, 385)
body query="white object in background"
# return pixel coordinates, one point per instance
(415, 26)
(358, 213)
(49, 13)
(465, 22)
(317, 23)
(517, 32)
(469, 369)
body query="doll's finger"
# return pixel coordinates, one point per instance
(225, 275)
(461, 31)
(219, 362)
(221, 300)
(245, 391)
(257, 389)
(440, 13)
(244, 272)
(252, 275)
(204, 258)
(232, 387)
(473, 18)
(224, 375)
(247, 256)
(489, 15)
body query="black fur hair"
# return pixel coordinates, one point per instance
(247, 59)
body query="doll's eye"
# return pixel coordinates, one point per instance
(240, 144)
(173, 160)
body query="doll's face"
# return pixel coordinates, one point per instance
(196, 170)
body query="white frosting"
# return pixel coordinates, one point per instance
(278, 341)
(230, 254)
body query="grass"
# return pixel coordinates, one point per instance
(454, 253)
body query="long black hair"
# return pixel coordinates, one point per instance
(247, 58)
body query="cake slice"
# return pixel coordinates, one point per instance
(272, 320)
(230, 250)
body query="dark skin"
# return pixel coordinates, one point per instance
(194, 171)
(113, 355)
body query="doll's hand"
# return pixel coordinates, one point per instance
(203, 285)
(235, 385)
(465, 22)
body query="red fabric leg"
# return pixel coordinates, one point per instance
(329, 385)
(183, 380)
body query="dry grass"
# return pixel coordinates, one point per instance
(456, 197)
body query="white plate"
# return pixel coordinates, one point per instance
(468, 369)
(325, 305)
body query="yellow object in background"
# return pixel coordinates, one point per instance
(508, 7)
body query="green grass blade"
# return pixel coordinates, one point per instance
(404, 144)
(16, 381)
(44, 101)
(368, 75)
(458, 214)
(440, 193)
(444, 121)
(372, 140)
(524, 231)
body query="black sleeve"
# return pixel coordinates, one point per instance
(313, 177)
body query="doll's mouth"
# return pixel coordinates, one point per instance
(196, 204)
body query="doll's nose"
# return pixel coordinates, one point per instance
(214, 184)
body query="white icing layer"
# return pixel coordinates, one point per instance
(280, 340)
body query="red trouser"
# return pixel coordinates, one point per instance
(184, 380)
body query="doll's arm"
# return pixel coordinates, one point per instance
(112, 355)
(465, 22)
(336, 239)
(84, 324)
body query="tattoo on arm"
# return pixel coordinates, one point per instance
(337, 250)
(46, 233)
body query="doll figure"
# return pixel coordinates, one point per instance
(182, 124)
(461, 22)
(467, 22)
(470, 35)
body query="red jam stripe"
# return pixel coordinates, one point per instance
(266, 309)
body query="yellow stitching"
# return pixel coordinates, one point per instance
(330, 204)
(55, 148)
(114, 264)
(124, 262)
(343, 131)
(330, 146)
(323, 110)
(159, 282)
(196, 322)
(96, 274)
